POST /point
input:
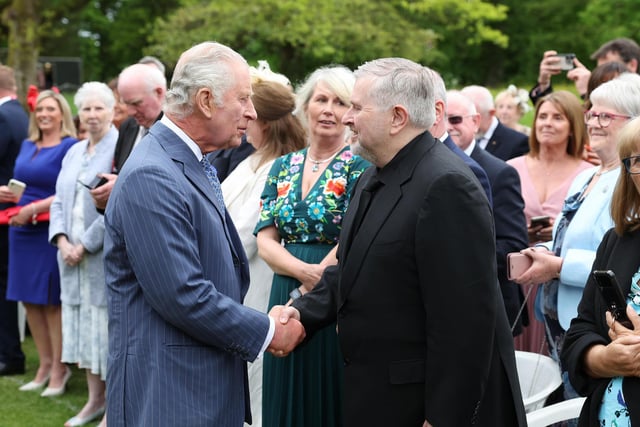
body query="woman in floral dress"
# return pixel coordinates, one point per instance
(303, 203)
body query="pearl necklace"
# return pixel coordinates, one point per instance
(317, 163)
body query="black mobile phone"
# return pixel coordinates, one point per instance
(612, 294)
(542, 220)
(95, 182)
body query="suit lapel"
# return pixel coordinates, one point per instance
(184, 158)
(383, 204)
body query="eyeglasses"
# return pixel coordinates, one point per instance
(632, 164)
(604, 119)
(456, 120)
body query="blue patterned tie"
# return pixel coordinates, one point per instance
(212, 176)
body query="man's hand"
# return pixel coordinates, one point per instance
(289, 331)
(101, 194)
(549, 66)
(580, 76)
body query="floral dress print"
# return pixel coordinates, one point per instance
(304, 389)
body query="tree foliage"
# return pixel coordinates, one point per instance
(491, 42)
(609, 19)
(297, 36)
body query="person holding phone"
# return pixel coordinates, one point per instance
(599, 353)
(77, 229)
(34, 278)
(563, 265)
(620, 49)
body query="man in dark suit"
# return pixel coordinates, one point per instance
(14, 123)
(508, 205)
(439, 131)
(142, 88)
(423, 333)
(176, 272)
(497, 139)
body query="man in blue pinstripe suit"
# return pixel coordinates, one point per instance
(179, 336)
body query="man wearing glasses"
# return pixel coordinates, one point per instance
(508, 205)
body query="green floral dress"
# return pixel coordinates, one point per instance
(304, 389)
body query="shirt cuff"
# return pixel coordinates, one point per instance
(267, 341)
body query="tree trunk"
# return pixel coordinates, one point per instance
(22, 18)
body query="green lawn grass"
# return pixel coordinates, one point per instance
(28, 409)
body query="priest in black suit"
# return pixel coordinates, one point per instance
(423, 333)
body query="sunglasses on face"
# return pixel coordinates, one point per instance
(456, 120)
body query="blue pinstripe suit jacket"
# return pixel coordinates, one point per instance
(176, 274)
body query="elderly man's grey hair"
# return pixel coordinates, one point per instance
(400, 81)
(204, 65)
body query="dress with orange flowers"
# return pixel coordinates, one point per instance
(293, 387)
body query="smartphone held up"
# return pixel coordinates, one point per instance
(566, 61)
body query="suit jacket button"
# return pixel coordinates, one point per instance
(347, 362)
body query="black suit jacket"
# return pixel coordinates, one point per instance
(510, 224)
(506, 143)
(622, 255)
(420, 319)
(127, 135)
(14, 124)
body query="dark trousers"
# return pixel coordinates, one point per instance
(10, 350)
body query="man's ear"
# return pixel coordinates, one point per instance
(476, 121)
(204, 102)
(399, 119)
(632, 65)
(439, 111)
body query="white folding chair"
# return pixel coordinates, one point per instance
(567, 410)
(539, 376)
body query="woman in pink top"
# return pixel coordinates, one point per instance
(557, 142)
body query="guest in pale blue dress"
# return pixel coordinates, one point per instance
(77, 229)
(600, 354)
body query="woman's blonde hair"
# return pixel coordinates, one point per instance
(67, 127)
(625, 202)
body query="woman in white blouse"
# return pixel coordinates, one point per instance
(276, 132)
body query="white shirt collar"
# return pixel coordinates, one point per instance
(5, 99)
(492, 127)
(183, 136)
(444, 136)
(470, 148)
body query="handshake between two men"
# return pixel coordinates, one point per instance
(289, 331)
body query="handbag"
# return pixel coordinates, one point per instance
(6, 214)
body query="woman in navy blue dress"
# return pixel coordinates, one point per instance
(33, 269)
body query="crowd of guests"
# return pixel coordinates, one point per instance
(282, 195)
